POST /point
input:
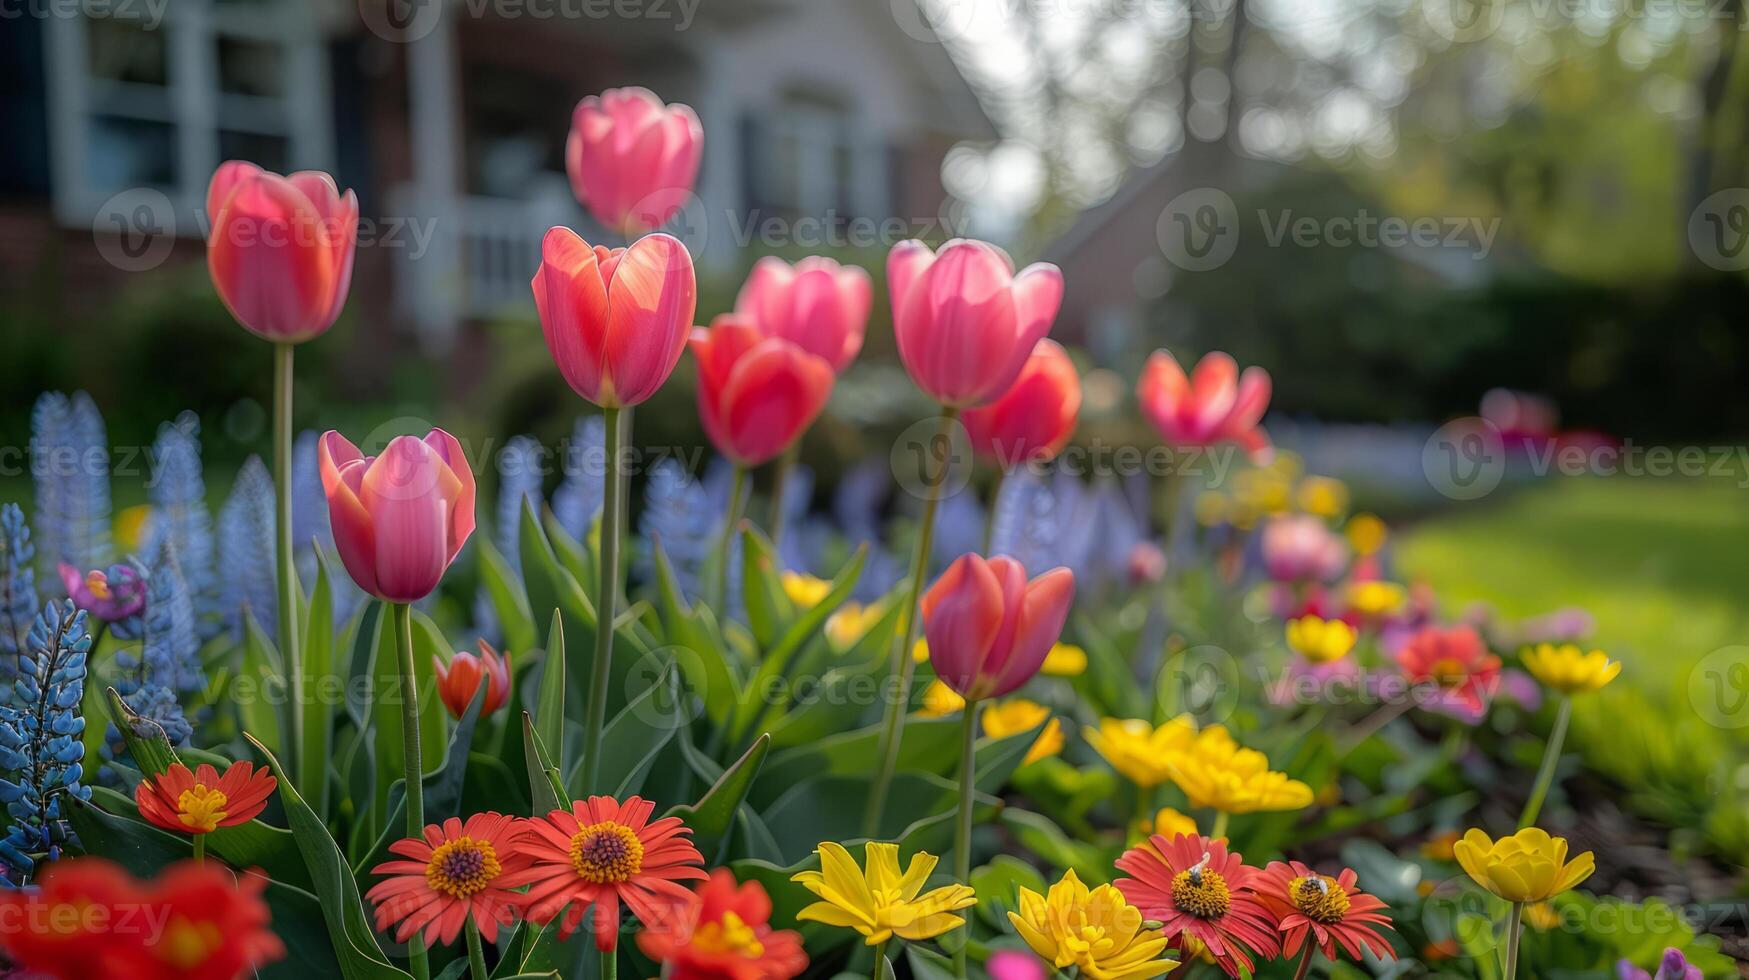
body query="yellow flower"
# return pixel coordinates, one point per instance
(1211, 508)
(1529, 866)
(1570, 670)
(1542, 916)
(1440, 846)
(1096, 930)
(131, 527)
(880, 902)
(939, 700)
(805, 591)
(1366, 534)
(1375, 598)
(1169, 823)
(1020, 715)
(1217, 772)
(1065, 660)
(1320, 640)
(1323, 496)
(920, 651)
(1137, 749)
(850, 622)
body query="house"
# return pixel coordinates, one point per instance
(449, 118)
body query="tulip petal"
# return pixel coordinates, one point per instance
(570, 298)
(650, 304)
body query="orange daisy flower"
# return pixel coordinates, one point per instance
(1329, 910)
(599, 853)
(1201, 893)
(725, 934)
(202, 801)
(454, 872)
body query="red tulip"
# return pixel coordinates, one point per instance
(280, 249)
(756, 394)
(1034, 418)
(1215, 404)
(399, 518)
(819, 305)
(460, 679)
(616, 319)
(964, 321)
(631, 159)
(989, 628)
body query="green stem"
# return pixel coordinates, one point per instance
(880, 951)
(606, 598)
(476, 955)
(1545, 775)
(414, 785)
(1220, 828)
(199, 848)
(779, 482)
(990, 517)
(610, 964)
(725, 546)
(291, 655)
(962, 838)
(1514, 924)
(901, 664)
(1306, 960)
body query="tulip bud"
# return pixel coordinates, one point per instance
(1034, 418)
(460, 680)
(756, 395)
(399, 518)
(280, 249)
(632, 160)
(819, 305)
(1215, 405)
(989, 629)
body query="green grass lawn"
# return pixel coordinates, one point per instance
(1662, 563)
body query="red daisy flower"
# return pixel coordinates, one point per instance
(724, 934)
(599, 853)
(1458, 662)
(202, 801)
(1195, 888)
(89, 918)
(1330, 910)
(455, 872)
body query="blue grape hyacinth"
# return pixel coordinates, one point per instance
(69, 460)
(18, 599)
(41, 735)
(246, 551)
(180, 518)
(519, 480)
(577, 501)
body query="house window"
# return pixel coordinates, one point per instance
(138, 102)
(807, 158)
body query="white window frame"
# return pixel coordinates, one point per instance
(193, 27)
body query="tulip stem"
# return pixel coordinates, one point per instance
(1219, 829)
(995, 500)
(290, 654)
(779, 483)
(414, 784)
(880, 951)
(902, 664)
(962, 838)
(1545, 774)
(606, 597)
(1514, 924)
(199, 848)
(737, 503)
(609, 964)
(476, 954)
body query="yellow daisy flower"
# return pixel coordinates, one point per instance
(1323, 496)
(850, 622)
(1373, 598)
(1018, 715)
(939, 700)
(1529, 866)
(1570, 670)
(805, 591)
(1138, 750)
(1065, 660)
(1216, 772)
(1094, 930)
(1320, 641)
(880, 902)
(1366, 534)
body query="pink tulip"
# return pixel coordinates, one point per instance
(460, 679)
(1216, 404)
(631, 159)
(1034, 418)
(280, 249)
(399, 518)
(756, 394)
(964, 321)
(989, 628)
(819, 305)
(615, 320)
(1010, 964)
(1300, 548)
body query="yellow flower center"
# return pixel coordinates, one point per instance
(1319, 898)
(186, 944)
(606, 852)
(731, 935)
(200, 809)
(462, 868)
(1201, 892)
(1449, 672)
(98, 584)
